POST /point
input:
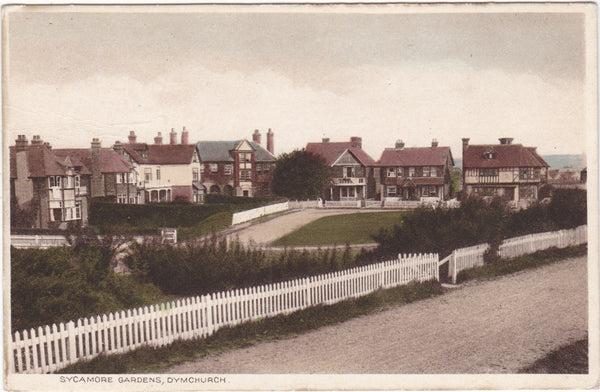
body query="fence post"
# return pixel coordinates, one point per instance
(453, 265)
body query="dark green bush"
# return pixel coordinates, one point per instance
(476, 221)
(60, 284)
(213, 266)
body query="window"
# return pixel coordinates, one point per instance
(195, 176)
(201, 169)
(488, 172)
(245, 175)
(77, 210)
(77, 181)
(158, 174)
(56, 214)
(259, 167)
(426, 171)
(214, 167)
(148, 174)
(429, 190)
(132, 200)
(391, 172)
(434, 171)
(399, 172)
(348, 172)
(526, 173)
(391, 190)
(411, 171)
(119, 178)
(245, 157)
(228, 169)
(54, 181)
(122, 199)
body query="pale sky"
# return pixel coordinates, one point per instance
(72, 76)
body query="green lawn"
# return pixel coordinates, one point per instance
(341, 229)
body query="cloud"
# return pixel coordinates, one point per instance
(414, 102)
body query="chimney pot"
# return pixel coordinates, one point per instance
(132, 137)
(434, 143)
(20, 143)
(184, 136)
(505, 140)
(325, 140)
(256, 136)
(173, 136)
(399, 144)
(270, 145)
(36, 140)
(158, 139)
(356, 141)
(465, 142)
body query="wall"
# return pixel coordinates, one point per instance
(245, 216)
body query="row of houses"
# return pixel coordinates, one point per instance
(55, 185)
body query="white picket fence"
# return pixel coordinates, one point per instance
(248, 215)
(342, 204)
(518, 246)
(472, 256)
(402, 204)
(50, 348)
(37, 241)
(302, 204)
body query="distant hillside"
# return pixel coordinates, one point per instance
(573, 161)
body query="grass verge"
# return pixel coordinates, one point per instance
(355, 228)
(149, 360)
(568, 359)
(509, 266)
(212, 224)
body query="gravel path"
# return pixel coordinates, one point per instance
(494, 326)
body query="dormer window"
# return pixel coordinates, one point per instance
(489, 154)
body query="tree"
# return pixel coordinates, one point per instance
(300, 175)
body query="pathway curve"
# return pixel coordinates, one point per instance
(494, 326)
(266, 232)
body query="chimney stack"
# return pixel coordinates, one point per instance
(356, 141)
(21, 143)
(96, 143)
(434, 143)
(270, 146)
(132, 137)
(256, 136)
(184, 136)
(505, 140)
(325, 140)
(399, 144)
(36, 141)
(465, 141)
(118, 147)
(47, 145)
(158, 139)
(173, 136)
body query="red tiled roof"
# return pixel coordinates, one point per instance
(506, 155)
(331, 151)
(42, 162)
(415, 156)
(161, 154)
(110, 161)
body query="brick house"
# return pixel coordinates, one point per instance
(351, 170)
(238, 167)
(415, 172)
(53, 187)
(164, 172)
(111, 174)
(510, 171)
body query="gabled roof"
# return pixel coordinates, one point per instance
(42, 162)
(220, 151)
(505, 155)
(161, 154)
(415, 156)
(331, 151)
(110, 161)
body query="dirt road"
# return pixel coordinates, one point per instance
(266, 232)
(496, 326)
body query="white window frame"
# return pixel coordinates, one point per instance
(434, 172)
(391, 172)
(411, 171)
(214, 167)
(148, 174)
(228, 169)
(392, 188)
(195, 174)
(426, 171)
(399, 172)
(54, 181)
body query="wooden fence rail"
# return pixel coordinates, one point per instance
(50, 348)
